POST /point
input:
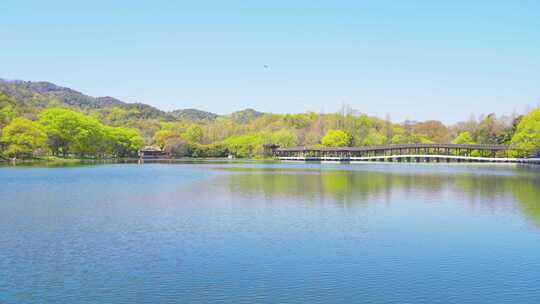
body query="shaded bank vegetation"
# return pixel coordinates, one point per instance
(41, 119)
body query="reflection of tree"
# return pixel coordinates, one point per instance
(344, 186)
(481, 186)
(527, 193)
(352, 187)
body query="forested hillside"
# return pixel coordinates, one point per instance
(40, 118)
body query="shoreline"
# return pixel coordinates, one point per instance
(58, 161)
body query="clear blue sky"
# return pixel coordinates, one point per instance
(410, 59)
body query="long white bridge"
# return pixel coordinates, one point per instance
(406, 153)
(416, 158)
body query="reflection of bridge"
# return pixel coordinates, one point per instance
(409, 153)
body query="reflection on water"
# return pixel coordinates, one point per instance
(270, 233)
(349, 187)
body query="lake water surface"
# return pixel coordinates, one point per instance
(270, 233)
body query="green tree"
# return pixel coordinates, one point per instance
(336, 138)
(373, 138)
(402, 136)
(62, 127)
(464, 138)
(70, 131)
(7, 110)
(91, 139)
(162, 136)
(124, 142)
(284, 138)
(244, 146)
(7, 113)
(194, 133)
(73, 132)
(23, 138)
(527, 136)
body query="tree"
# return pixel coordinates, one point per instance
(336, 138)
(70, 131)
(361, 131)
(404, 136)
(527, 136)
(124, 141)
(23, 138)
(433, 130)
(244, 146)
(374, 138)
(505, 136)
(161, 137)
(489, 129)
(313, 133)
(176, 146)
(284, 138)
(91, 138)
(62, 127)
(464, 138)
(194, 133)
(7, 110)
(388, 129)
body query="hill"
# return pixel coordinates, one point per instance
(245, 116)
(41, 94)
(194, 115)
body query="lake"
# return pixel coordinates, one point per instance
(270, 233)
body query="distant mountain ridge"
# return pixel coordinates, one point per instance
(42, 94)
(20, 90)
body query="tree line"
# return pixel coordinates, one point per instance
(63, 132)
(27, 132)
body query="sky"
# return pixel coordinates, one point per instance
(407, 59)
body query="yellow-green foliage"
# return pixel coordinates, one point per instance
(245, 145)
(464, 138)
(527, 136)
(73, 132)
(123, 142)
(23, 138)
(162, 136)
(194, 133)
(336, 138)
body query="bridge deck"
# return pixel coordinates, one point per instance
(407, 152)
(417, 158)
